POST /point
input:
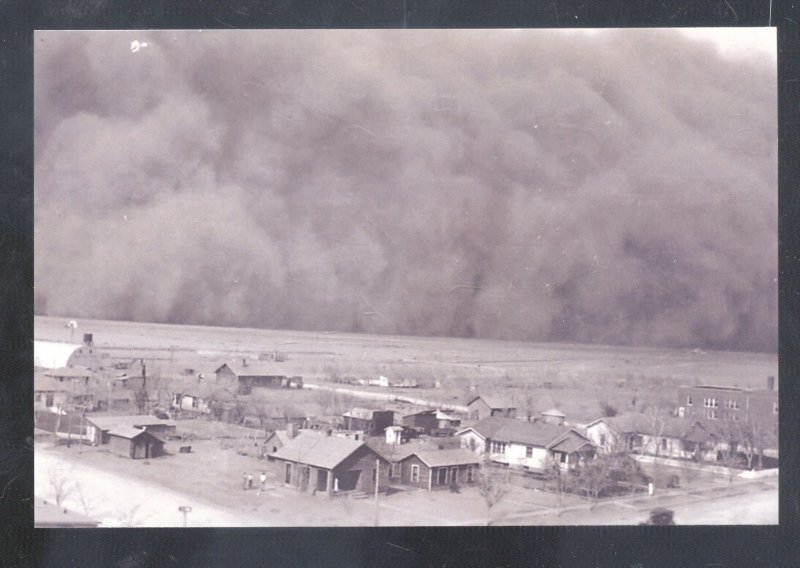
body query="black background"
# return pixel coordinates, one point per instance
(630, 547)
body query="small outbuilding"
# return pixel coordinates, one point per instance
(135, 443)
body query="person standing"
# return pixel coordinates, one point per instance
(249, 480)
(263, 480)
(244, 480)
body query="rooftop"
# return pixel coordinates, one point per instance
(318, 449)
(494, 401)
(50, 515)
(116, 422)
(512, 430)
(440, 458)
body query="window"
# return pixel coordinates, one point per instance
(454, 475)
(602, 439)
(470, 474)
(711, 414)
(664, 444)
(48, 400)
(775, 407)
(689, 401)
(497, 448)
(710, 402)
(414, 474)
(528, 451)
(395, 470)
(38, 397)
(732, 404)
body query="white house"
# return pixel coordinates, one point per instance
(527, 445)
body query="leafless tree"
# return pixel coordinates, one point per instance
(593, 477)
(493, 485)
(60, 484)
(128, 516)
(607, 408)
(85, 500)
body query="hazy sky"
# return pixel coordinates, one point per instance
(615, 186)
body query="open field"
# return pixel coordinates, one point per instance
(571, 377)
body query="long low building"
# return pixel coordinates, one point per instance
(99, 428)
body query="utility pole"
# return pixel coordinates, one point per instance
(377, 478)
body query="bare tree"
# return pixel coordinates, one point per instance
(607, 408)
(593, 477)
(493, 485)
(128, 516)
(85, 500)
(60, 484)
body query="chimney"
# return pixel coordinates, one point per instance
(291, 430)
(771, 383)
(87, 339)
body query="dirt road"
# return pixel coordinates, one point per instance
(124, 501)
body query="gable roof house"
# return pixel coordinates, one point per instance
(485, 405)
(528, 445)
(244, 376)
(666, 436)
(436, 469)
(317, 462)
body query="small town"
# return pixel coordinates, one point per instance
(194, 439)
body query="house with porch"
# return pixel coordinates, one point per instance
(436, 469)
(527, 445)
(318, 462)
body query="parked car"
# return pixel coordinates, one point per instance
(660, 516)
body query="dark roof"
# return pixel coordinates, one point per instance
(494, 401)
(571, 443)
(50, 515)
(512, 430)
(442, 458)
(318, 449)
(363, 413)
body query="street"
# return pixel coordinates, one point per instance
(119, 501)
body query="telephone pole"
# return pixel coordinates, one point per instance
(377, 478)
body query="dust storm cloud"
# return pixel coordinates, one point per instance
(615, 188)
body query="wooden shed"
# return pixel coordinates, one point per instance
(134, 443)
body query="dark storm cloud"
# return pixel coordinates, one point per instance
(616, 188)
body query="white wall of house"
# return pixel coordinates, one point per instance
(473, 442)
(603, 436)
